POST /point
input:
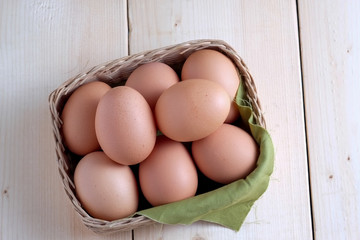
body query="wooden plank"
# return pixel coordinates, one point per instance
(330, 43)
(265, 34)
(42, 44)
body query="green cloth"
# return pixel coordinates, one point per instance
(229, 204)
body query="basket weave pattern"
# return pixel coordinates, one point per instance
(115, 73)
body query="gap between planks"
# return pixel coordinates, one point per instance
(304, 112)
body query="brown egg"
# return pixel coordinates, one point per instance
(214, 66)
(151, 80)
(168, 174)
(107, 190)
(78, 118)
(192, 109)
(227, 155)
(125, 126)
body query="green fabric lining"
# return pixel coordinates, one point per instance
(230, 204)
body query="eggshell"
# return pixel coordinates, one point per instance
(78, 118)
(227, 155)
(151, 80)
(215, 66)
(125, 126)
(168, 174)
(106, 190)
(192, 109)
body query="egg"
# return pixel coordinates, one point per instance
(215, 66)
(191, 109)
(78, 117)
(106, 190)
(125, 126)
(227, 155)
(168, 174)
(151, 80)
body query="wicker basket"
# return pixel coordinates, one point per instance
(115, 73)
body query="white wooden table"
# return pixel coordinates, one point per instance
(304, 56)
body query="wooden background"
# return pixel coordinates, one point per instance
(305, 59)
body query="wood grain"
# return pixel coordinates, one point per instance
(42, 44)
(265, 34)
(330, 43)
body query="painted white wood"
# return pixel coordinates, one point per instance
(42, 44)
(265, 34)
(330, 42)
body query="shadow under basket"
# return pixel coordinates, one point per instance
(226, 205)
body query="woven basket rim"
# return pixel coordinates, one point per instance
(114, 72)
